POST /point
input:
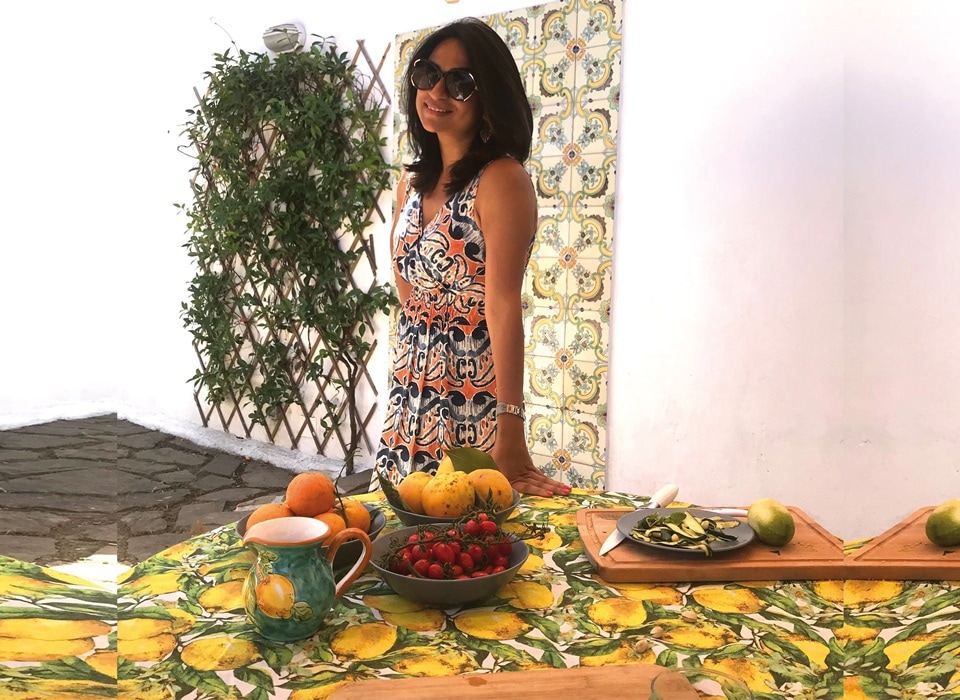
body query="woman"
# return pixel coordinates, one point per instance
(462, 233)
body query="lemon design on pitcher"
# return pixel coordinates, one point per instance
(275, 596)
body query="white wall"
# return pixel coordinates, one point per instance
(790, 257)
(785, 308)
(57, 281)
(902, 255)
(727, 334)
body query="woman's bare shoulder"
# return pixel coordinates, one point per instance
(505, 195)
(505, 168)
(505, 177)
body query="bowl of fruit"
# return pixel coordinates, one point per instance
(449, 565)
(314, 495)
(425, 499)
(411, 518)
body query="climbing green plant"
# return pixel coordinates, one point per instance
(289, 165)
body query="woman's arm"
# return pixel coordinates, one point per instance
(403, 287)
(506, 210)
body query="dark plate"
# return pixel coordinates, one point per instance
(743, 532)
(349, 552)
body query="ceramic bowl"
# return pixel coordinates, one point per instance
(349, 552)
(443, 593)
(408, 518)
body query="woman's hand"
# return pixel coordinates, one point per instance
(515, 463)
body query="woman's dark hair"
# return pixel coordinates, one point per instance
(503, 105)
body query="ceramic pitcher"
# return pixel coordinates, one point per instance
(291, 587)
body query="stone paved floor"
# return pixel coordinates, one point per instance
(75, 488)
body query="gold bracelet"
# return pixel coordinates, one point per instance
(511, 409)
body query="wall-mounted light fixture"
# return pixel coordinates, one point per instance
(282, 38)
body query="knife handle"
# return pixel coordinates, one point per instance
(664, 496)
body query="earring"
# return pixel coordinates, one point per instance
(485, 131)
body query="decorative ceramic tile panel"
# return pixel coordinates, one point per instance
(568, 54)
(590, 234)
(553, 181)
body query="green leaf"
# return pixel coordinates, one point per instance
(254, 676)
(594, 647)
(301, 611)
(667, 658)
(258, 694)
(390, 491)
(275, 655)
(206, 681)
(732, 651)
(61, 612)
(468, 459)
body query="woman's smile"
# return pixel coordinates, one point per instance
(436, 110)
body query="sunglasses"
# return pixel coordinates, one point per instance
(459, 82)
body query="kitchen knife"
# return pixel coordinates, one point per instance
(735, 512)
(665, 496)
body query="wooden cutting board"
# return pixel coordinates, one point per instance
(812, 554)
(903, 553)
(631, 681)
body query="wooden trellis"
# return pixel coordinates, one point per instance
(317, 393)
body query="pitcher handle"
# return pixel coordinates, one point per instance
(350, 533)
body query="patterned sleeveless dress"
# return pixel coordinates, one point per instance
(443, 388)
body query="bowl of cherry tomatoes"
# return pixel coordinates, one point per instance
(451, 564)
(408, 517)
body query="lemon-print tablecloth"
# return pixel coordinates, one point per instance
(182, 632)
(57, 635)
(901, 639)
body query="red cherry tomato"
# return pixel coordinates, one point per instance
(476, 553)
(496, 570)
(500, 561)
(456, 570)
(466, 561)
(478, 574)
(483, 517)
(488, 527)
(435, 571)
(472, 528)
(443, 553)
(422, 567)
